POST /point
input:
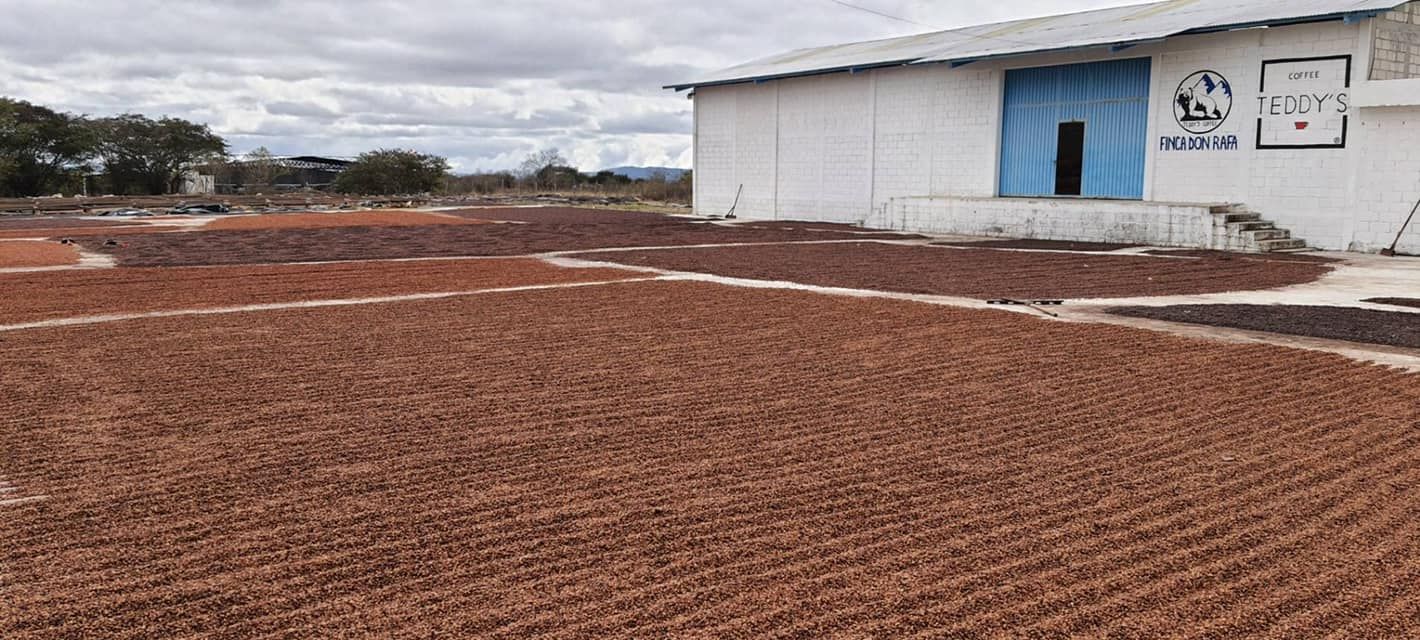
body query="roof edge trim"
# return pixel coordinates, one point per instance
(1350, 17)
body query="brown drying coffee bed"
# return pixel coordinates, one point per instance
(1396, 302)
(90, 205)
(29, 254)
(1390, 328)
(50, 227)
(322, 220)
(564, 215)
(101, 233)
(367, 243)
(16, 223)
(1245, 257)
(975, 273)
(1044, 245)
(818, 226)
(574, 216)
(679, 459)
(31, 297)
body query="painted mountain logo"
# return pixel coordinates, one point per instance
(1203, 102)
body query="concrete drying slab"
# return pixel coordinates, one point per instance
(1356, 278)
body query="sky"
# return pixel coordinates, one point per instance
(481, 82)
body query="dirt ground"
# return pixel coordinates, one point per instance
(383, 218)
(61, 294)
(1390, 328)
(36, 253)
(977, 273)
(635, 460)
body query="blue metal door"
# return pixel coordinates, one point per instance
(1110, 98)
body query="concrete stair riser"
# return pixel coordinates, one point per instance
(1269, 234)
(1237, 229)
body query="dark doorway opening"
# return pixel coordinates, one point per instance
(1070, 159)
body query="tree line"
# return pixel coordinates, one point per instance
(549, 171)
(45, 152)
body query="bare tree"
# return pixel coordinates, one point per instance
(259, 168)
(535, 167)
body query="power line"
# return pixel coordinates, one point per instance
(958, 32)
(883, 15)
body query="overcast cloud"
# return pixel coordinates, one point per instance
(481, 82)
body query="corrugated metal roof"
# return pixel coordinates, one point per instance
(1105, 27)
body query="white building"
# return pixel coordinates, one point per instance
(1133, 124)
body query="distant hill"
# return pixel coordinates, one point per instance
(645, 173)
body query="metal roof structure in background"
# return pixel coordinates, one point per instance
(1118, 27)
(317, 163)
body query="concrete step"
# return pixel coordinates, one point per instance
(1257, 225)
(1243, 216)
(1237, 228)
(1268, 234)
(1268, 246)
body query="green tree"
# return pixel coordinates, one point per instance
(558, 177)
(393, 172)
(146, 156)
(608, 179)
(40, 149)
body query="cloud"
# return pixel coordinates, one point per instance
(483, 82)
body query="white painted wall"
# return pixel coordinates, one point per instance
(1059, 219)
(846, 147)
(1387, 93)
(1387, 179)
(934, 127)
(716, 112)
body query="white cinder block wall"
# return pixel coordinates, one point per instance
(856, 147)
(1387, 179)
(1387, 170)
(715, 115)
(933, 127)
